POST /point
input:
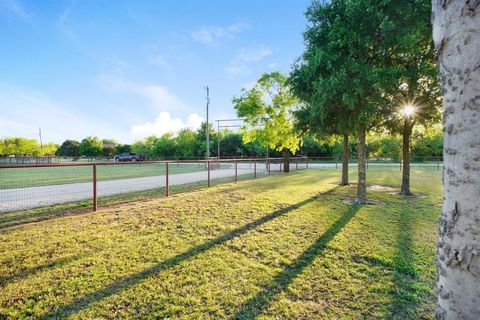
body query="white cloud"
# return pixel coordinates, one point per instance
(15, 7)
(253, 54)
(211, 36)
(158, 60)
(240, 65)
(158, 96)
(238, 27)
(165, 123)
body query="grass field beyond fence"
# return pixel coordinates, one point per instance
(33, 177)
(285, 246)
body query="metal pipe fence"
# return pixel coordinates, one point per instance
(29, 186)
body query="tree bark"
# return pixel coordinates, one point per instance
(456, 34)
(286, 160)
(407, 132)
(362, 170)
(345, 158)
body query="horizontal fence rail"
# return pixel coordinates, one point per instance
(29, 186)
(90, 184)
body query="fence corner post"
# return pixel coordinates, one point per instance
(208, 169)
(166, 180)
(236, 170)
(94, 187)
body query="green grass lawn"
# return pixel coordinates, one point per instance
(285, 246)
(44, 176)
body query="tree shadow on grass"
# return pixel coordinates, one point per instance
(280, 282)
(4, 279)
(85, 301)
(409, 292)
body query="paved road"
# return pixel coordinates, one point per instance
(33, 197)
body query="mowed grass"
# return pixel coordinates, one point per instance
(280, 247)
(44, 176)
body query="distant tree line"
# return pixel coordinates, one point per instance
(22, 147)
(187, 143)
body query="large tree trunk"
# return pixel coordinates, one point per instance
(456, 33)
(407, 132)
(286, 160)
(345, 158)
(362, 170)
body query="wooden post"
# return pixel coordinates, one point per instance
(208, 169)
(438, 163)
(268, 166)
(166, 180)
(307, 163)
(254, 169)
(94, 187)
(236, 170)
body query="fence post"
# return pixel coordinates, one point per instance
(336, 163)
(236, 170)
(254, 169)
(307, 163)
(268, 166)
(367, 162)
(94, 187)
(296, 165)
(166, 180)
(438, 163)
(208, 169)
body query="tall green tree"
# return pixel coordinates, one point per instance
(164, 146)
(185, 143)
(69, 148)
(91, 146)
(343, 70)
(144, 147)
(109, 147)
(268, 112)
(416, 96)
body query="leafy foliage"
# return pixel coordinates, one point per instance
(69, 148)
(268, 112)
(91, 146)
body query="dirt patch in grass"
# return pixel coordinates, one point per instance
(377, 187)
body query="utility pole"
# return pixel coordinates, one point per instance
(40, 135)
(207, 131)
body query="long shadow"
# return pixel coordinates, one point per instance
(4, 279)
(280, 282)
(406, 299)
(85, 301)
(406, 273)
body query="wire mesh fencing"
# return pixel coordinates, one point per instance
(29, 186)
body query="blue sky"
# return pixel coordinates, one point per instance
(128, 69)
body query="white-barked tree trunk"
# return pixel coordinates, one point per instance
(456, 33)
